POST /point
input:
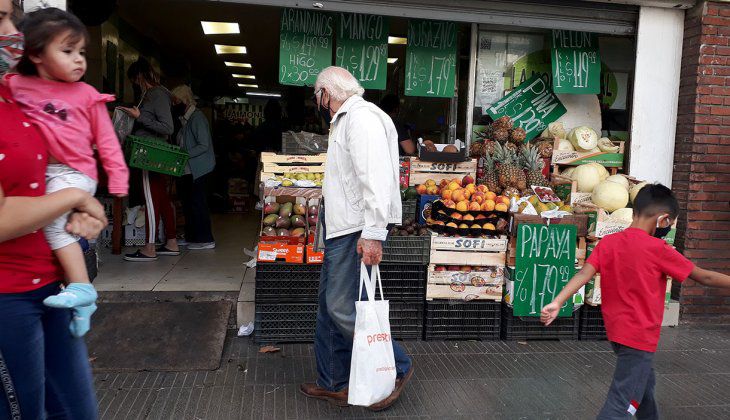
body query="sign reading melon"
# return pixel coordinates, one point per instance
(362, 48)
(545, 262)
(431, 59)
(531, 106)
(305, 46)
(576, 63)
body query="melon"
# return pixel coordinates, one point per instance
(568, 172)
(583, 138)
(565, 145)
(587, 177)
(602, 171)
(610, 196)
(606, 145)
(619, 179)
(624, 215)
(635, 190)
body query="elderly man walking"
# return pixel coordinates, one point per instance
(362, 197)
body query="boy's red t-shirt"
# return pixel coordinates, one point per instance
(634, 267)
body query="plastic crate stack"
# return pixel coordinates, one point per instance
(403, 272)
(464, 288)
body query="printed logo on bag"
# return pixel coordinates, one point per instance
(385, 369)
(378, 338)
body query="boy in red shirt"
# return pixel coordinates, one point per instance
(634, 265)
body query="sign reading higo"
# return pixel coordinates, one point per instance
(305, 46)
(362, 48)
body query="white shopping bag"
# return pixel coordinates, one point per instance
(372, 371)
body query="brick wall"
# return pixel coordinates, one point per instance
(702, 156)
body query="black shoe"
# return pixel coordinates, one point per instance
(139, 256)
(163, 250)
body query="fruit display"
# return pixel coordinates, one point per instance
(583, 138)
(409, 228)
(312, 218)
(472, 221)
(290, 179)
(292, 218)
(533, 166)
(538, 207)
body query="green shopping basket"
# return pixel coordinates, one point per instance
(155, 155)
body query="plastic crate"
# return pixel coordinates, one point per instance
(406, 320)
(277, 282)
(409, 209)
(459, 320)
(155, 155)
(403, 282)
(407, 249)
(296, 322)
(285, 322)
(591, 323)
(530, 328)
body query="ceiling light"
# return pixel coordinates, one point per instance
(244, 85)
(217, 28)
(234, 64)
(230, 49)
(244, 76)
(392, 60)
(267, 94)
(396, 40)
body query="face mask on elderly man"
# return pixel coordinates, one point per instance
(324, 112)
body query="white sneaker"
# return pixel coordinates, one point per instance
(201, 245)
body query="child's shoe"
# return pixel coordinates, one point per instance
(73, 295)
(81, 321)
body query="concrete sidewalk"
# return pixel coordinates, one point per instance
(480, 380)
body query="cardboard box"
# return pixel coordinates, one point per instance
(440, 155)
(281, 252)
(314, 257)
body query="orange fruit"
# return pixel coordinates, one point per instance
(462, 205)
(501, 207)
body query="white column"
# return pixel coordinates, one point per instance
(31, 5)
(656, 92)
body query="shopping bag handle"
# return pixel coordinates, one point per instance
(371, 282)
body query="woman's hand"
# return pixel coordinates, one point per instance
(84, 225)
(92, 206)
(132, 112)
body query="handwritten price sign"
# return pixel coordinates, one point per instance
(431, 59)
(305, 46)
(576, 63)
(545, 262)
(362, 48)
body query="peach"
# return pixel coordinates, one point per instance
(458, 181)
(505, 200)
(466, 268)
(488, 205)
(450, 204)
(458, 195)
(491, 196)
(438, 222)
(489, 226)
(454, 186)
(430, 182)
(456, 215)
(440, 268)
(501, 207)
(451, 224)
(474, 206)
(462, 205)
(446, 194)
(471, 188)
(468, 217)
(421, 189)
(467, 194)
(463, 226)
(480, 217)
(475, 226)
(482, 188)
(468, 179)
(432, 190)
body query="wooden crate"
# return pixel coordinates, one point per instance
(421, 171)
(273, 164)
(268, 157)
(580, 251)
(479, 276)
(575, 158)
(463, 292)
(493, 259)
(447, 243)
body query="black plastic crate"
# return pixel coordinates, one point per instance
(296, 322)
(407, 249)
(406, 320)
(459, 320)
(278, 282)
(409, 209)
(285, 322)
(404, 282)
(530, 328)
(591, 323)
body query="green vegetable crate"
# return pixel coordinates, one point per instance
(155, 155)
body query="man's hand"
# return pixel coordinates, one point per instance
(549, 313)
(85, 225)
(370, 250)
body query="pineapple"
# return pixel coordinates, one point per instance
(489, 147)
(503, 122)
(518, 135)
(545, 149)
(501, 135)
(512, 147)
(476, 149)
(490, 174)
(510, 174)
(533, 165)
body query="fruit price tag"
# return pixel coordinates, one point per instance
(545, 194)
(267, 256)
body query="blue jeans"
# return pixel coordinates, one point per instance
(49, 368)
(338, 286)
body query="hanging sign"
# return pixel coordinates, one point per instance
(362, 48)
(305, 46)
(576, 63)
(431, 59)
(531, 106)
(545, 262)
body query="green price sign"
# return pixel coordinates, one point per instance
(576, 63)
(531, 106)
(431, 59)
(305, 46)
(544, 264)
(362, 48)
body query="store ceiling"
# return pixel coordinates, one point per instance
(175, 27)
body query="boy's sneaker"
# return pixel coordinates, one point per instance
(201, 245)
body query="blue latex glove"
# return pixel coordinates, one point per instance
(81, 321)
(72, 296)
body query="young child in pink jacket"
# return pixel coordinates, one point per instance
(73, 119)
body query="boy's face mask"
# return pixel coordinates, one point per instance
(11, 50)
(662, 231)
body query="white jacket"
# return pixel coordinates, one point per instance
(361, 183)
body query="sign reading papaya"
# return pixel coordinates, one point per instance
(431, 59)
(576, 63)
(545, 262)
(531, 106)
(305, 46)
(362, 48)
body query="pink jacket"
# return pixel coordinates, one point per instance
(73, 119)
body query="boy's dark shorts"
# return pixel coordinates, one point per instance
(632, 390)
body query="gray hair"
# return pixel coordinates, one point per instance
(184, 94)
(339, 82)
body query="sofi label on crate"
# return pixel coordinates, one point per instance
(469, 244)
